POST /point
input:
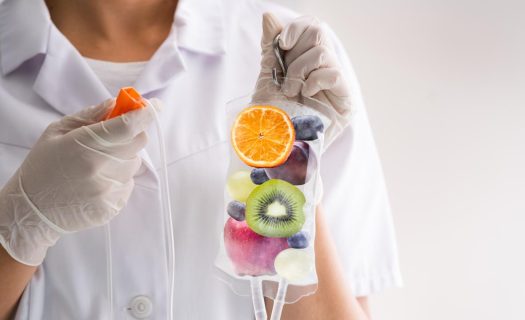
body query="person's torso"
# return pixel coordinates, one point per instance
(77, 276)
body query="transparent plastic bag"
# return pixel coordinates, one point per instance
(254, 262)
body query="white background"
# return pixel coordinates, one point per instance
(444, 83)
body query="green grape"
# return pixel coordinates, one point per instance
(240, 185)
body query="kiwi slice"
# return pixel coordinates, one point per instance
(275, 209)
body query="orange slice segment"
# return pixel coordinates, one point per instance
(263, 136)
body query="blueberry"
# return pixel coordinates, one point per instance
(236, 210)
(259, 176)
(307, 127)
(298, 240)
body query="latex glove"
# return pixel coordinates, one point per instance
(310, 57)
(78, 175)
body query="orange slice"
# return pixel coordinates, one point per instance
(263, 136)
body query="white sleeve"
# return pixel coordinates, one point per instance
(356, 202)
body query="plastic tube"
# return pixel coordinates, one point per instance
(129, 99)
(109, 270)
(259, 307)
(166, 206)
(278, 303)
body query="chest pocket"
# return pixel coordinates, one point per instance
(193, 116)
(193, 121)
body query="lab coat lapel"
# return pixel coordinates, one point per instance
(198, 28)
(163, 67)
(65, 80)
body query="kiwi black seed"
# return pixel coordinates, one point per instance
(275, 209)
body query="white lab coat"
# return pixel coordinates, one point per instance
(211, 56)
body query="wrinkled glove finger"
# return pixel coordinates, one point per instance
(315, 58)
(116, 199)
(110, 152)
(341, 105)
(271, 28)
(90, 161)
(125, 127)
(100, 212)
(120, 173)
(87, 138)
(329, 79)
(84, 117)
(300, 36)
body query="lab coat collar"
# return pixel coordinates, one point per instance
(166, 63)
(198, 27)
(25, 27)
(24, 32)
(65, 80)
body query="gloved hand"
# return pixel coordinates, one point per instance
(78, 175)
(309, 57)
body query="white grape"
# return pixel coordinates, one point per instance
(240, 185)
(294, 264)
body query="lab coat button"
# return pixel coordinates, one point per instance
(140, 307)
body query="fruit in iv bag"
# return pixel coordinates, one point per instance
(262, 136)
(294, 265)
(236, 210)
(295, 169)
(275, 209)
(240, 185)
(307, 127)
(259, 176)
(299, 240)
(250, 253)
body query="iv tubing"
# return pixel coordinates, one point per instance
(278, 303)
(259, 307)
(166, 208)
(166, 205)
(109, 270)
